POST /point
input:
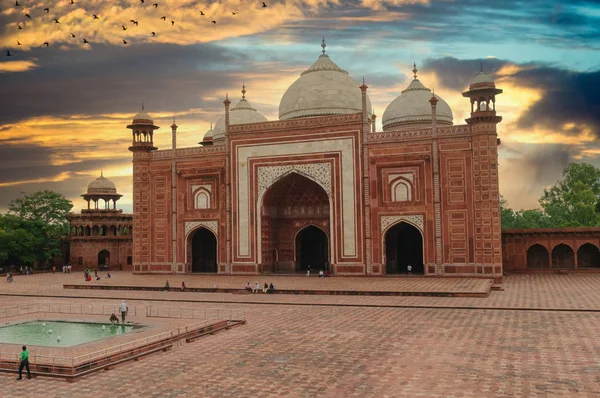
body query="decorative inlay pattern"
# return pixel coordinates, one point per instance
(409, 176)
(212, 225)
(421, 133)
(415, 219)
(188, 152)
(319, 172)
(301, 123)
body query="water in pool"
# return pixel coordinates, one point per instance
(58, 333)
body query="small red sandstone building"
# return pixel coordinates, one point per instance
(320, 187)
(102, 235)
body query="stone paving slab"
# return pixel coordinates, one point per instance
(362, 352)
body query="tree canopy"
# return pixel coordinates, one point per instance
(33, 230)
(574, 201)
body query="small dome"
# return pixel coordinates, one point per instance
(412, 106)
(242, 113)
(142, 117)
(208, 136)
(482, 77)
(322, 89)
(101, 185)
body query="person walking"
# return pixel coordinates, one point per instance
(24, 364)
(123, 310)
(308, 270)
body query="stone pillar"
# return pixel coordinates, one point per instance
(174, 135)
(228, 255)
(366, 181)
(437, 202)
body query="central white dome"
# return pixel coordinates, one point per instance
(322, 89)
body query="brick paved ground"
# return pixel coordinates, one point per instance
(312, 351)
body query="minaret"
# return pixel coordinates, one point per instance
(142, 129)
(487, 242)
(228, 216)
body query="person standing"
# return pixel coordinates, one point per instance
(308, 270)
(24, 364)
(409, 269)
(123, 310)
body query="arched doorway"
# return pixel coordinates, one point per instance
(289, 206)
(563, 256)
(588, 256)
(311, 249)
(538, 257)
(103, 259)
(403, 246)
(204, 251)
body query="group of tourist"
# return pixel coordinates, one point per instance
(87, 274)
(266, 288)
(66, 269)
(123, 309)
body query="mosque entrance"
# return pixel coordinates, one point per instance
(311, 249)
(204, 251)
(403, 247)
(294, 225)
(103, 259)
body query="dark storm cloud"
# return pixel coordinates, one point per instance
(568, 96)
(115, 79)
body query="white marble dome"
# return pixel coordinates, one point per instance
(412, 108)
(142, 118)
(101, 185)
(322, 89)
(482, 77)
(242, 113)
(208, 136)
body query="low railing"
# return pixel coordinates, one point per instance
(64, 308)
(194, 313)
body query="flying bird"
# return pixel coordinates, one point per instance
(47, 10)
(96, 16)
(28, 16)
(85, 41)
(8, 54)
(72, 1)
(163, 18)
(155, 5)
(46, 44)
(153, 33)
(233, 13)
(19, 26)
(172, 23)
(201, 13)
(56, 20)
(124, 42)
(134, 22)
(72, 34)
(18, 43)
(123, 26)
(264, 5)
(214, 22)
(16, 3)
(142, 1)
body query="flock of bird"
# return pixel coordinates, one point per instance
(95, 16)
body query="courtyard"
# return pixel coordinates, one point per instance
(540, 337)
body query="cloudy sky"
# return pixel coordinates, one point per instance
(64, 107)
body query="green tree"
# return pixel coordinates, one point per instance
(574, 200)
(34, 228)
(522, 219)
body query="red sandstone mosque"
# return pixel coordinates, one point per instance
(320, 187)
